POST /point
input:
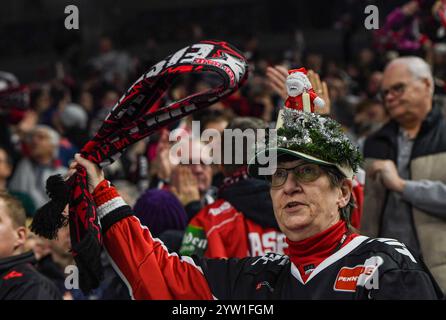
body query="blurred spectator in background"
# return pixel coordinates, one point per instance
(402, 31)
(40, 100)
(215, 119)
(192, 182)
(19, 280)
(238, 103)
(60, 98)
(5, 173)
(164, 215)
(53, 257)
(439, 14)
(15, 117)
(55, 261)
(241, 221)
(251, 48)
(367, 65)
(86, 101)
(313, 61)
(439, 66)
(369, 117)
(114, 66)
(158, 155)
(74, 135)
(342, 101)
(5, 168)
(108, 100)
(259, 99)
(32, 171)
(374, 85)
(405, 193)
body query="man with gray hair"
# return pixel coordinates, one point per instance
(405, 193)
(31, 172)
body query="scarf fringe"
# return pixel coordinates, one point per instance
(49, 218)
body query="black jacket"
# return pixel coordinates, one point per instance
(252, 198)
(366, 268)
(19, 280)
(431, 138)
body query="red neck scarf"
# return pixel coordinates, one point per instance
(308, 253)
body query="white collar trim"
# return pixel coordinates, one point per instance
(349, 247)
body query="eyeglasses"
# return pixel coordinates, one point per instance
(396, 90)
(305, 173)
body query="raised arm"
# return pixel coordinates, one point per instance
(143, 262)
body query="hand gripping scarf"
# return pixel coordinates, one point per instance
(134, 117)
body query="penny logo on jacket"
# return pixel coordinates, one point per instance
(365, 275)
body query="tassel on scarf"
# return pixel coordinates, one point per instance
(49, 218)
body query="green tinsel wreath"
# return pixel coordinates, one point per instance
(317, 136)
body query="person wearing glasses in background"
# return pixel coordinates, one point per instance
(311, 195)
(405, 161)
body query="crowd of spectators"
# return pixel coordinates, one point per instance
(61, 114)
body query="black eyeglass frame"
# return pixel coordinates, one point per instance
(397, 89)
(320, 172)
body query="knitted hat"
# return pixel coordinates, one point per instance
(160, 210)
(74, 116)
(314, 138)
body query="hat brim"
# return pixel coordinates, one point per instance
(253, 166)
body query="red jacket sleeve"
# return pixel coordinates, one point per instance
(144, 263)
(358, 195)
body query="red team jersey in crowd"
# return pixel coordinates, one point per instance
(220, 231)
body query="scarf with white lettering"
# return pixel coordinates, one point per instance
(134, 117)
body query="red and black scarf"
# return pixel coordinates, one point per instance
(134, 117)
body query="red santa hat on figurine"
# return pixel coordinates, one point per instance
(301, 95)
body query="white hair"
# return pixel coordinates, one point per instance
(419, 68)
(54, 137)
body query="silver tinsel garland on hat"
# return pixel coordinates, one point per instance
(318, 136)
